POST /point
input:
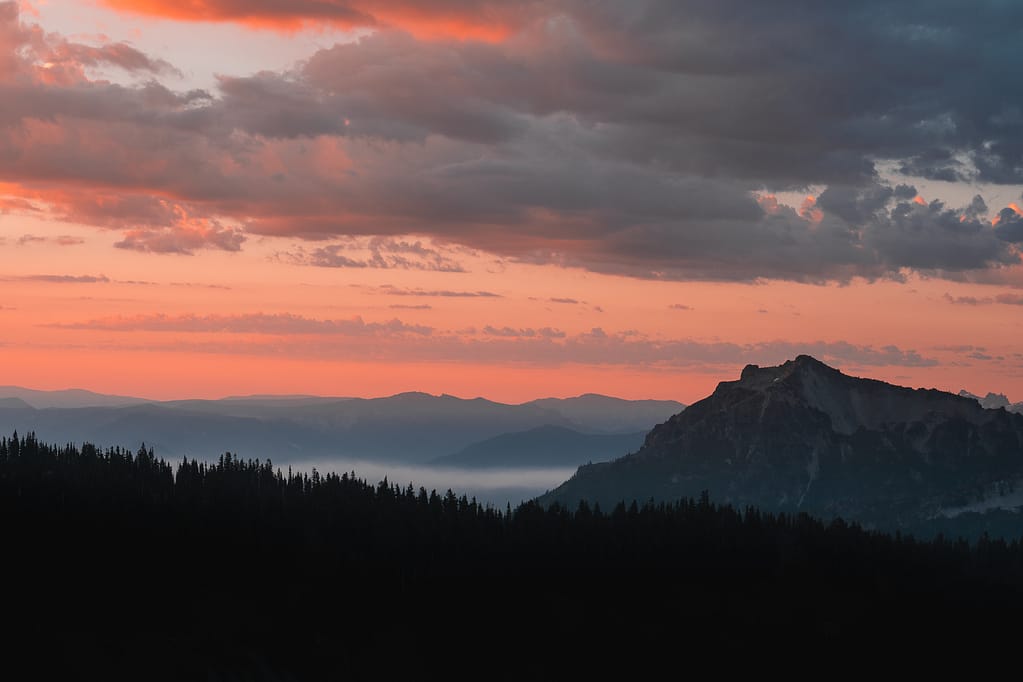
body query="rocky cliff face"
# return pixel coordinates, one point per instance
(805, 437)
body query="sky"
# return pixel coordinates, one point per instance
(510, 199)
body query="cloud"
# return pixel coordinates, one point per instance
(378, 252)
(61, 279)
(392, 290)
(966, 300)
(680, 306)
(120, 55)
(256, 323)
(1003, 299)
(200, 285)
(632, 138)
(399, 306)
(183, 239)
(1009, 299)
(59, 240)
(960, 348)
(598, 347)
(16, 205)
(528, 332)
(568, 301)
(1009, 224)
(506, 345)
(473, 19)
(148, 223)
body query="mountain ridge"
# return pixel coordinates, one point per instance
(410, 427)
(994, 401)
(803, 436)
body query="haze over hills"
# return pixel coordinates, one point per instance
(543, 446)
(14, 403)
(802, 436)
(72, 397)
(601, 414)
(408, 427)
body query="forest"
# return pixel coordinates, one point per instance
(116, 560)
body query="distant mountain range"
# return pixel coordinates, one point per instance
(993, 401)
(73, 397)
(544, 446)
(805, 437)
(408, 428)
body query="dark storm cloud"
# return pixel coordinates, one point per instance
(637, 138)
(812, 92)
(1010, 226)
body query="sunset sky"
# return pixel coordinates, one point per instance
(511, 199)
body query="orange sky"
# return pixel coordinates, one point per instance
(143, 276)
(127, 355)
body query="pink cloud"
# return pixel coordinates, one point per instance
(183, 239)
(463, 19)
(255, 323)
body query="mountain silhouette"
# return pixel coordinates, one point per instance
(408, 427)
(803, 436)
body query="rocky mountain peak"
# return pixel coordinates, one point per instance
(803, 435)
(850, 402)
(992, 401)
(759, 378)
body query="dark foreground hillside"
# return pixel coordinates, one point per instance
(120, 563)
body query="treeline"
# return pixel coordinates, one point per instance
(239, 568)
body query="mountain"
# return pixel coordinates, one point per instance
(602, 414)
(408, 427)
(993, 401)
(173, 433)
(588, 413)
(14, 404)
(805, 437)
(544, 446)
(74, 397)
